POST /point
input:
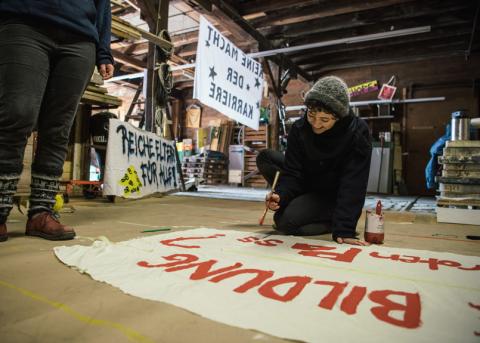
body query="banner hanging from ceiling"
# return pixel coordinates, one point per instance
(226, 79)
(138, 162)
(296, 288)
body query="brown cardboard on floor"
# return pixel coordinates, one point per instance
(42, 300)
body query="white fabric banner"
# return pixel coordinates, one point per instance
(296, 288)
(138, 162)
(226, 79)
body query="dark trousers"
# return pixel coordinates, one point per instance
(43, 74)
(44, 71)
(308, 214)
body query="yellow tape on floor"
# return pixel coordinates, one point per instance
(131, 334)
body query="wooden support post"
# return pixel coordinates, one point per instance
(274, 123)
(159, 23)
(81, 145)
(275, 101)
(150, 102)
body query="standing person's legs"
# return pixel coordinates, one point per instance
(269, 162)
(72, 66)
(24, 69)
(308, 214)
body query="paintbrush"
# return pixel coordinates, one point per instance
(162, 228)
(260, 222)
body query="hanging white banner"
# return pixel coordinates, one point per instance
(138, 162)
(226, 79)
(295, 288)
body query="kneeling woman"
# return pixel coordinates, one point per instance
(324, 173)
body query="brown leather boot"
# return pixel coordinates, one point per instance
(3, 232)
(45, 225)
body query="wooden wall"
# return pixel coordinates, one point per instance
(453, 78)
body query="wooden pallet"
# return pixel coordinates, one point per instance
(254, 141)
(460, 202)
(210, 170)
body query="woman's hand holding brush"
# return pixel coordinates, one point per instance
(272, 200)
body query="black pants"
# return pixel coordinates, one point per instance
(307, 214)
(44, 71)
(43, 74)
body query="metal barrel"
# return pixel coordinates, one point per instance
(460, 126)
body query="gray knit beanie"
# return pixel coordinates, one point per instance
(332, 93)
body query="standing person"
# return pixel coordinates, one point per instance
(48, 50)
(324, 173)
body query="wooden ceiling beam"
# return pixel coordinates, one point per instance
(447, 48)
(192, 37)
(328, 9)
(148, 11)
(255, 6)
(234, 22)
(435, 23)
(392, 43)
(129, 61)
(321, 71)
(187, 51)
(428, 9)
(185, 38)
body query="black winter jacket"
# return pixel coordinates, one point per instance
(90, 18)
(335, 163)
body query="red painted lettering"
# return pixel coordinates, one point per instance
(352, 300)
(177, 258)
(299, 283)
(477, 307)
(269, 242)
(258, 241)
(409, 259)
(391, 257)
(433, 263)
(203, 269)
(477, 267)
(248, 239)
(321, 251)
(261, 275)
(411, 309)
(170, 242)
(472, 305)
(331, 298)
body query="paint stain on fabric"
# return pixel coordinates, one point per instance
(131, 182)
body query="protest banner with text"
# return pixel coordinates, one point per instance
(138, 162)
(296, 288)
(226, 79)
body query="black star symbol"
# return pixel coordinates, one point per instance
(212, 73)
(258, 104)
(257, 83)
(248, 87)
(207, 43)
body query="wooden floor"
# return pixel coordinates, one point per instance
(41, 300)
